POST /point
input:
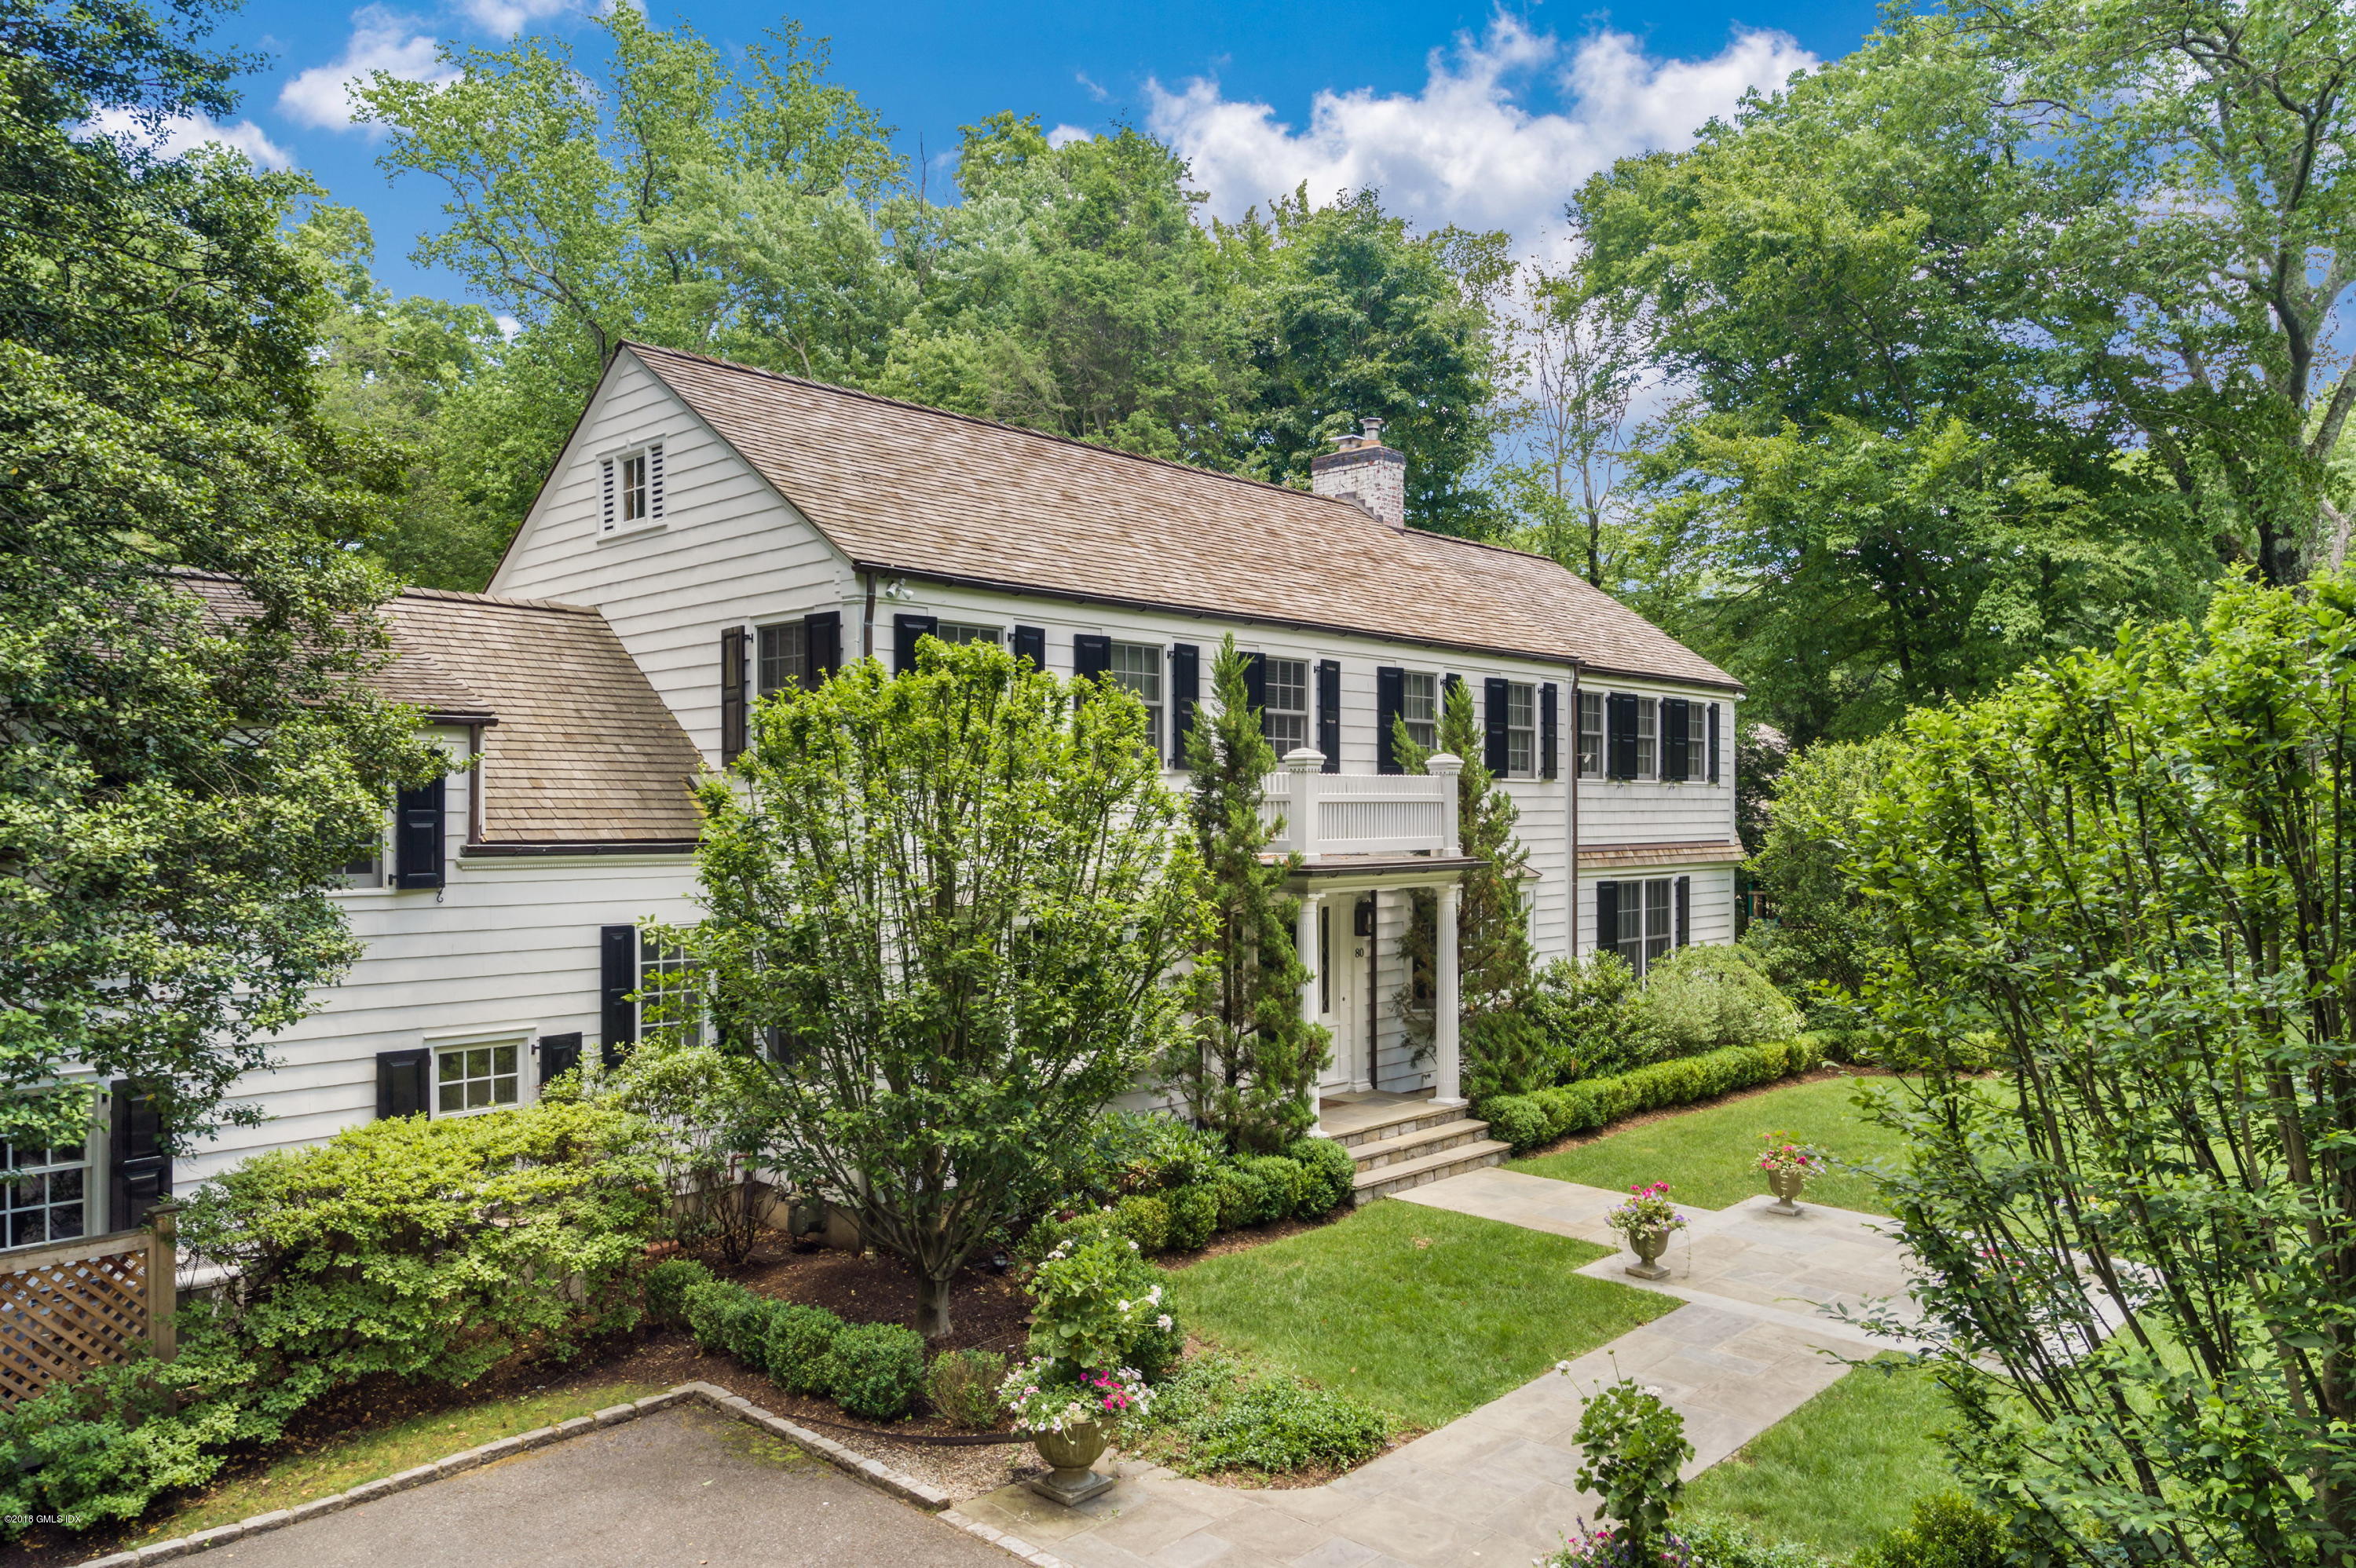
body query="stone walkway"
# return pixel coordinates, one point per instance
(1496, 1487)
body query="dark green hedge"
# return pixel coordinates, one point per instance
(1527, 1121)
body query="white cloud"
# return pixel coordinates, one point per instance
(1468, 148)
(185, 134)
(509, 17)
(1064, 135)
(381, 40)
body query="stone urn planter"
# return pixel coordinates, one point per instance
(1649, 1246)
(1786, 1185)
(1070, 1455)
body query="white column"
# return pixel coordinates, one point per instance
(1304, 933)
(1302, 766)
(1446, 1077)
(1449, 767)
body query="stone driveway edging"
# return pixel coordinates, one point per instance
(874, 1471)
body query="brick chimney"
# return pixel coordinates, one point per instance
(1362, 469)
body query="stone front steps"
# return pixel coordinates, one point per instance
(1416, 1144)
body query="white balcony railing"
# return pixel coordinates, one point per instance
(1363, 814)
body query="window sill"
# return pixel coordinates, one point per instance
(634, 530)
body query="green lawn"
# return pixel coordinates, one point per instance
(303, 1476)
(1418, 1312)
(1710, 1156)
(1839, 1471)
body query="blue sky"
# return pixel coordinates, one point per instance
(1459, 113)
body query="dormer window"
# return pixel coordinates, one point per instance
(632, 490)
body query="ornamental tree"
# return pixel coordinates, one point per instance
(1249, 1064)
(944, 908)
(2124, 879)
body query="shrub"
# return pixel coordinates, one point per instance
(1573, 1108)
(963, 1386)
(1707, 998)
(1051, 1231)
(1132, 1151)
(795, 1351)
(1093, 1306)
(1947, 1531)
(727, 1318)
(1632, 1446)
(1281, 1181)
(667, 1285)
(1516, 1119)
(1194, 1215)
(874, 1369)
(1218, 1414)
(1722, 1544)
(1328, 1175)
(1587, 1010)
(1239, 1199)
(1146, 1222)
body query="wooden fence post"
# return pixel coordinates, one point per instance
(162, 1278)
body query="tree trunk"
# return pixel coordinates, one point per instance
(933, 1310)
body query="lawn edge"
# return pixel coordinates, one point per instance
(875, 1472)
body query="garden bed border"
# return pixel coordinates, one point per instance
(931, 1499)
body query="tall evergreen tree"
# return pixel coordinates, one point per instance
(1253, 1060)
(1503, 1053)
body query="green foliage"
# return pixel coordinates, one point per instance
(963, 1386)
(1095, 1304)
(189, 764)
(800, 1341)
(1527, 1120)
(727, 1319)
(1630, 1447)
(1502, 1050)
(1145, 1221)
(1818, 947)
(1250, 1068)
(1707, 998)
(1586, 1007)
(1193, 1216)
(2120, 875)
(700, 1112)
(1239, 1199)
(1719, 1543)
(1327, 1176)
(1219, 1415)
(961, 1013)
(1516, 1119)
(1947, 1530)
(1282, 1186)
(667, 1285)
(874, 1369)
(1144, 1151)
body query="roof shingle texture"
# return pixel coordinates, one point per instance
(899, 487)
(584, 752)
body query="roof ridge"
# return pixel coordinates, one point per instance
(1048, 435)
(460, 595)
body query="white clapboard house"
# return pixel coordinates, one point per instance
(712, 534)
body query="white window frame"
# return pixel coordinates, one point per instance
(1421, 686)
(958, 634)
(461, 1053)
(619, 489)
(1648, 738)
(657, 965)
(92, 1165)
(1591, 758)
(1635, 940)
(797, 633)
(1697, 741)
(1521, 730)
(1275, 718)
(1147, 682)
(373, 874)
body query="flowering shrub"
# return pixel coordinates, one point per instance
(1632, 1446)
(1780, 1153)
(1043, 1397)
(1093, 1301)
(1604, 1547)
(1648, 1210)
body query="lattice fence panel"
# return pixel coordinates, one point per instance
(61, 1316)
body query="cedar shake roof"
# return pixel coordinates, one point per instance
(902, 488)
(580, 751)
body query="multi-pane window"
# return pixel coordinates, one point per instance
(1648, 738)
(782, 660)
(1138, 665)
(1647, 921)
(633, 479)
(365, 871)
(1521, 731)
(959, 633)
(44, 1193)
(1419, 708)
(632, 484)
(474, 1078)
(1696, 741)
(670, 994)
(1286, 716)
(1590, 734)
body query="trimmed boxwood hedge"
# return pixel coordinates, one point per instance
(1526, 1121)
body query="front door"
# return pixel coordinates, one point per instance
(1342, 966)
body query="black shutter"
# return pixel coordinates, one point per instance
(1091, 654)
(1676, 740)
(1549, 731)
(1329, 713)
(559, 1054)
(617, 981)
(906, 630)
(1391, 697)
(1030, 642)
(732, 695)
(1713, 742)
(1607, 918)
(138, 1169)
(1497, 694)
(822, 644)
(417, 836)
(1185, 691)
(1620, 735)
(1256, 684)
(401, 1083)
(1684, 910)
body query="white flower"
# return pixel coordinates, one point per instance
(1154, 1295)
(1163, 1322)
(1124, 1307)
